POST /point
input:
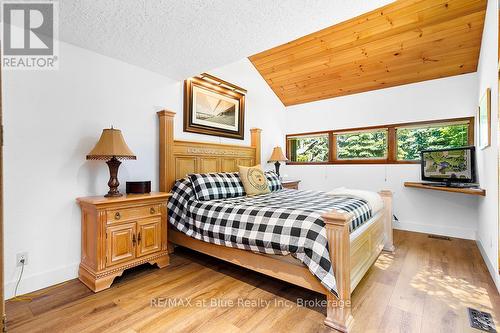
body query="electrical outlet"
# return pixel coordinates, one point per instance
(20, 257)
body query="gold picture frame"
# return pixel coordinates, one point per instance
(484, 120)
(214, 107)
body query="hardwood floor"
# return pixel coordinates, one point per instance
(425, 286)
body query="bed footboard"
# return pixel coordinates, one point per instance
(351, 260)
(338, 312)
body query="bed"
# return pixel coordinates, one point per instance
(353, 237)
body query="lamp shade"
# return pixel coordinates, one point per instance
(111, 144)
(277, 155)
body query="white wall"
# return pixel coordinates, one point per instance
(487, 159)
(417, 210)
(54, 118)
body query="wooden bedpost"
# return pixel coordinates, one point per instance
(255, 143)
(387, 198)
(338, 310)
(167, 176)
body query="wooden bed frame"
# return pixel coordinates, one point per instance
(351, 259)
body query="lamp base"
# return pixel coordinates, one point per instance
(277, 167)
(113, 195)
(113, 183)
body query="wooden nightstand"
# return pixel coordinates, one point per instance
(291, 184)
(120, 233)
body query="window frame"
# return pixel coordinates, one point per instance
(307, 135)
(391, 141)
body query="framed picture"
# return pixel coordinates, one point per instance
(484, 120)
(214, 107)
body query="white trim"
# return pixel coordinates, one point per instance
(441, 230)
(42, 280)
(491, 268)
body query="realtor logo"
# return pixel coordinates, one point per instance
(29, 33)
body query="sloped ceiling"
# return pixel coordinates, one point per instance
(404, 42)
(182, 38)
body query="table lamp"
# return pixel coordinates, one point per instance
(112, 147)
(277, 157)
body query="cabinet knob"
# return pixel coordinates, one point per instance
(117, 216)
(152, 210)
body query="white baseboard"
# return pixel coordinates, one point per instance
(491, 267)
(449, 231)
(41, 280)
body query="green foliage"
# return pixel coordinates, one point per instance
(413, 140)
(362, 145)
(313, 149)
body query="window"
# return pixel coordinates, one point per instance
(362, 145)
(412, 140)
(311, 148)
(397, 143)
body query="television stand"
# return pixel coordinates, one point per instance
(443, 187)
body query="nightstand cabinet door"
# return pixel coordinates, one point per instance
(148, 236)
(121, 240)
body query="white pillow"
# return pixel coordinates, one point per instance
(374, 199)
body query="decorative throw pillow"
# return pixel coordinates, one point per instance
(211, 186)
(254, 180)
(274, 181)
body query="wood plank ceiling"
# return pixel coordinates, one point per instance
(404, 42)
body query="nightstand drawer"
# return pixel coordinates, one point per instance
(127, 214)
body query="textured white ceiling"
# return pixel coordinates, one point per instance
(181, 38)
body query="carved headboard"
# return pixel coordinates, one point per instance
(179, 158)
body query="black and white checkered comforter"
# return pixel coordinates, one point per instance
(282, 222)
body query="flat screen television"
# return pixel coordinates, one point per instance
(449, 166)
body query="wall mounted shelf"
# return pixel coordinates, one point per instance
(470, 191)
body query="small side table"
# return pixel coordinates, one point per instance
(290, 184)
(120, 233)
